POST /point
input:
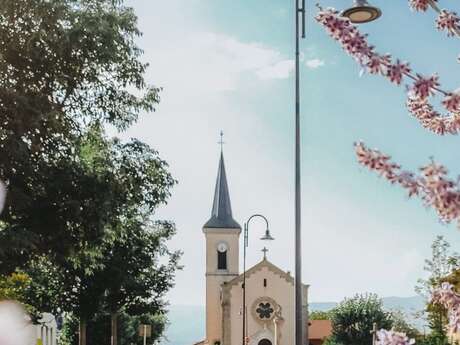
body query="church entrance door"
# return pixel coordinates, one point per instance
(265, 342)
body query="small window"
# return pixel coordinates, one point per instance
(265, 282)
(222, 260)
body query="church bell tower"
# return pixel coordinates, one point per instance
(222, 234)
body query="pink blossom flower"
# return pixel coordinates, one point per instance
(446, 296)
(377, 63)
(453, 123)
(452, 101)
(448, 21)
(336, 26)
(385, 337)
(396, 71)
(437, 125)
(428, 117)
(356, 45)
(432, 185)
(425, 87)
(419, 108)
(375, 160)
(419, 5)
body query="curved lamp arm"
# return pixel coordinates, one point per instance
(267, 235)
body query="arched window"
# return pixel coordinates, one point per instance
(221, 260)
(265, 342)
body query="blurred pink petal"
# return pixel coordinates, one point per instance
(3, 191)
(385, 337)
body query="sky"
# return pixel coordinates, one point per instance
(228, 65)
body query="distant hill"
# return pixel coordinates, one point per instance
(405, 304)
(187, 323)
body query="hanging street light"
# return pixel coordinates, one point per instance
(361, 12)
(267, 237)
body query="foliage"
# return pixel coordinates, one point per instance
(434, 339)
(133, 277)
(15, 287)
(138, 182)
(128, 329)
(400, 324)
(353, 319)
(330, 341)
(64, 65)
(443, 261)
(319, 315)
(79, 207)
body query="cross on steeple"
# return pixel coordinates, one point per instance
(221, 141)
(265, 251)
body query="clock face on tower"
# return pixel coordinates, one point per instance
(222, 247)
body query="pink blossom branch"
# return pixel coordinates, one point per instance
(446, 296)
(356, 45)
(447, 20)
(385, 337)
(432, 185)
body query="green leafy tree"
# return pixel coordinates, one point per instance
(400, 324)
(319, 315)
(353, 319)
(123, 270)
(441, 264)
(128, 329)
(68, 68)
(64, 64)
(133, 277)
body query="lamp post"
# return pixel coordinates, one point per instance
(299, 325)
(266, 237)
(359, 12)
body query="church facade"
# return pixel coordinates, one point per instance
(269, 290)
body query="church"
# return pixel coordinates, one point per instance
(269, 290)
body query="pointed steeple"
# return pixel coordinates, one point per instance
(221, 215)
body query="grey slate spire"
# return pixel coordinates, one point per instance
(221, 216)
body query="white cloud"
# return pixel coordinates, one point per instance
(210, 62)
(279, 70)
(314, 63)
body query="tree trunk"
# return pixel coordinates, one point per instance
(113, 318)
(82, 332)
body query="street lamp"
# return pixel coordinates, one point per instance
(267, 237)
(361, 12)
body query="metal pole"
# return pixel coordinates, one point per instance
(299, 325)
(245, 244)
(145, 334)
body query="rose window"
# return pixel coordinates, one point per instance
(265, 310)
